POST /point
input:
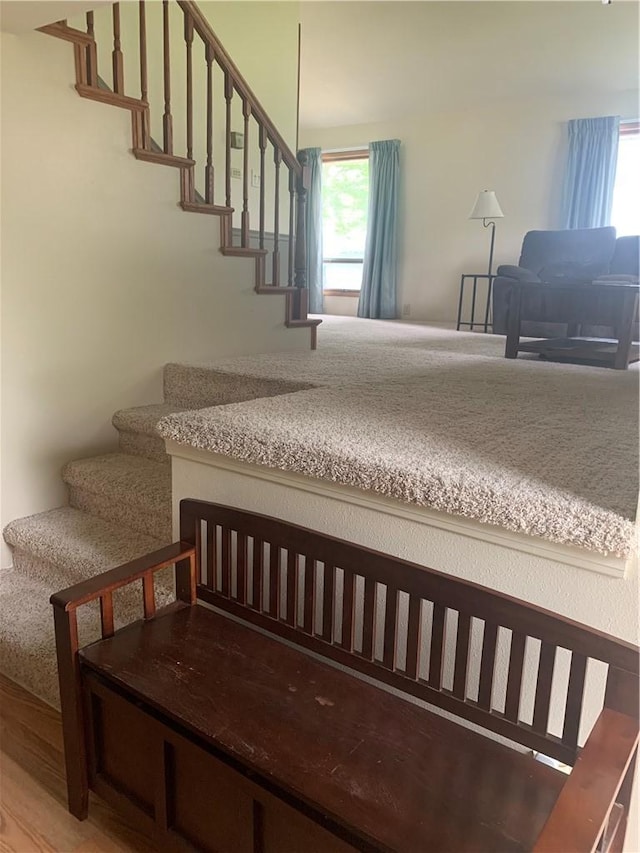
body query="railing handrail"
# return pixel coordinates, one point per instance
(204, 29)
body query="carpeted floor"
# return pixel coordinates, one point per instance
(438, 418)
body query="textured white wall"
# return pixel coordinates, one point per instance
(104, 278)
(516, 148)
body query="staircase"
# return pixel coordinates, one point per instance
(277, 200)
(119, 509)
(120, 503)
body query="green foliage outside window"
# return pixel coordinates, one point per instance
(345, 190)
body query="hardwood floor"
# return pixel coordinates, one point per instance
(33, 812)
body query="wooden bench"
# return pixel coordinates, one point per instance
(292, 718)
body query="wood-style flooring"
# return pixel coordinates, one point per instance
(33, 811)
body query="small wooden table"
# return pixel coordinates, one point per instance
(614, 305)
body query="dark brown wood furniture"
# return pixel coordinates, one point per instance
(292, 717)
(608, 304)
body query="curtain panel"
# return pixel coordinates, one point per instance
(591, 171)
(378, 291)
(313, 230)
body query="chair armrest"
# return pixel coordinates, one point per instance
(581, 811)
(95, 587)
(518, 273)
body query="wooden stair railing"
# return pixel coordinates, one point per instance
(285, 273)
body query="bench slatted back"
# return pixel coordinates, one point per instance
(407, 626)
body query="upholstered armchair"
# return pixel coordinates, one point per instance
(579, 255)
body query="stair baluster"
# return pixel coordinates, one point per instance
(144, 136)
(277, 159)
(262, 142)
(228, 95)
(117, 58)
(300, 310)
(292, 195)
(209, 168)
(188, 37)
(167, 119)
(246, 112)
(91, 53)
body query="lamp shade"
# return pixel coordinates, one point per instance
(486, 206)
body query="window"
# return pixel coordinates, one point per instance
(625, 212)
(345, 195)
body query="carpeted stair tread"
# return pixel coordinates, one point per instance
(199, 386)
(143, 419)
(27, 640)
(116, 474)
(81, 545)
(137, 430)
(135, 480)
(27, 645)
(129, 490)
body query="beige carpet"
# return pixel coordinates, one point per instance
(440, 419)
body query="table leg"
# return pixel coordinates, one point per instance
(462, 277)
(513, 322)
(624, 330)
(486, 310)
(473, 301)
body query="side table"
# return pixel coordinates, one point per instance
(471, 323)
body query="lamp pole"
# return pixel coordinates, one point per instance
(486, 224)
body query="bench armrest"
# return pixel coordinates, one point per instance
(582, 810)
(95, 587)
(517, 273)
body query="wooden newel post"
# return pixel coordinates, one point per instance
(300, 262)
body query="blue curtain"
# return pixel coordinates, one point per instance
(378, 292)
(591, 171)
(314, 230)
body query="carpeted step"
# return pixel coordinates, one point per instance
(27, 641)
(27, 645)
(71, 545)
(138, 433)
(193, 387)
(128, 490)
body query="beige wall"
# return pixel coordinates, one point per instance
(516, 148)
(104, 278)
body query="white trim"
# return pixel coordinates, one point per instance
(568, 554)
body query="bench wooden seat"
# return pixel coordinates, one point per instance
(408, 779)
(215, 734)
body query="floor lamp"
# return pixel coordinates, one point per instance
(487, 209)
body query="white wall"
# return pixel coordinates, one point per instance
(104, 278)
(516, 148)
